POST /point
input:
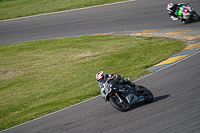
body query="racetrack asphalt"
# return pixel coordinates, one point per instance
(176, 88)
(176, 108)
(135, 15)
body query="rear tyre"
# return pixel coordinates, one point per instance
(196, 17)
(148, 96)
(115, 102)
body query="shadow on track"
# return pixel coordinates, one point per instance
(192, 22)
(156, 99)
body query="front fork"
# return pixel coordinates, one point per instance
(120, 100)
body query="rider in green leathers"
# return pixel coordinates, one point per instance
(175, 10)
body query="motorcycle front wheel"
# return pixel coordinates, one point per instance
(184, 21)
(121, 106)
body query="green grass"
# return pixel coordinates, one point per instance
(40, 77)
(20, 8)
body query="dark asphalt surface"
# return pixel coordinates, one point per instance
(176, 108)
(136, 15)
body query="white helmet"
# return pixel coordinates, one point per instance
(170, 6)
(100, 76)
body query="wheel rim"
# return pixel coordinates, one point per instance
(148, 95)
(123, 104)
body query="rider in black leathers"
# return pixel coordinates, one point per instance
(101, 78)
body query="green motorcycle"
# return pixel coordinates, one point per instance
(186, 14)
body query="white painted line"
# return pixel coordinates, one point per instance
(99, 95)
(49, 114)
(168, 66)
(68, 10)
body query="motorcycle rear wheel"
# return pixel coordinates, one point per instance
(148, 96)
(115, 102)
(195, 17)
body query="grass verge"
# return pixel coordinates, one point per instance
(21, 8)
(40, 77)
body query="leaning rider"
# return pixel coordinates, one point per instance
(173, 9)
(101, 78)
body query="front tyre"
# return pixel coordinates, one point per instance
(121, 106)
(184, 21)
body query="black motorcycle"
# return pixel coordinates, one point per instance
(122, 96)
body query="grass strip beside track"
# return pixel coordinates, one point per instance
(40, 77)
(21, 8)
